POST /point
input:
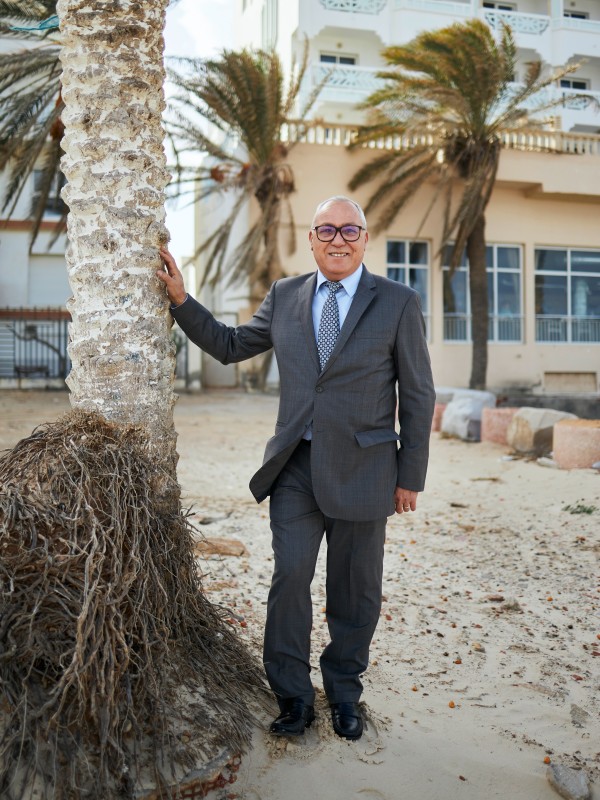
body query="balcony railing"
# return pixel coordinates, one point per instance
(567, 329)
(356, 6)
(438, 6)
(579, 25)
(519, 22)
(522, 139)
(345, 78)
(501, 328)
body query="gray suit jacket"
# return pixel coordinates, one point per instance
(380, 364)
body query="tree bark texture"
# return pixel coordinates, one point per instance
(478, 289)
(115, 165)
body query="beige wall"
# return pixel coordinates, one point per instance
(540, 199)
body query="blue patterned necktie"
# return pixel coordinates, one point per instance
(329, 326)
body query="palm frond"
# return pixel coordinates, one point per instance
(232, 109)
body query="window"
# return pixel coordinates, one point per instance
(576, 14)
(501, 6)
(503, 266)
(408, 263)
(54, 203)
(269, 24)
(567, 295)
(580, 84)
(336, 58)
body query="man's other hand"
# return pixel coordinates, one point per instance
(405, 500)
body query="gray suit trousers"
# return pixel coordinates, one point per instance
(354, 583)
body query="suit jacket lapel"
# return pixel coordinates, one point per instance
(365, 293)
(305, 302)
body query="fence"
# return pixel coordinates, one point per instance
(33, 346)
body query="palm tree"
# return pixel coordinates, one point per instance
(450, 94)
(122, 677)
(31, 127)
(234, 109)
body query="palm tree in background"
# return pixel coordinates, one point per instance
(234, 108)
(31, 128)
(450, 94)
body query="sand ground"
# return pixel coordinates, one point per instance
(486, 660)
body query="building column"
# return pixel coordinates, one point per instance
(557, 8)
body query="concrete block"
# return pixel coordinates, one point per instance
(576, 443)
(495, 422)
(530, 430)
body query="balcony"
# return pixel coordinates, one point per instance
(450, 9)
(354, 6)
(343, 83)
(519, 22)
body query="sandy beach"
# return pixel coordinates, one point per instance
(486, 661)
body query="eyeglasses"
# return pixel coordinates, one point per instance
(327, 233)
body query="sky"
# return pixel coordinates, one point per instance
(198, 28)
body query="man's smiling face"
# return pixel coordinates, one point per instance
(338, 259)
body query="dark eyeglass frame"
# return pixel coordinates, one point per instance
(339, 230)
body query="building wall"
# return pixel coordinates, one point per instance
(532, 206)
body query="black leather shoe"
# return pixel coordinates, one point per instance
(295, 716)
(347, 720)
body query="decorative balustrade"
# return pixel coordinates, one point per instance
(343, 77)
(317, 132)
(534, 24)
(356, 6)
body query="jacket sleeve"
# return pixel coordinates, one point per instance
(225, 343)
(416, 397)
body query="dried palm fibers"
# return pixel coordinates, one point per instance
(116, 672)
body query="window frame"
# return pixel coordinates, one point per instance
(495, 318)
(336, 56)
(569, 328)
(407, 265)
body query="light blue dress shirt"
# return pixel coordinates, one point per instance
(343, 296)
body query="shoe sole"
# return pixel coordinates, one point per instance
(293, 733)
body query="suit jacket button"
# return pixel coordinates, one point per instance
(319, 389)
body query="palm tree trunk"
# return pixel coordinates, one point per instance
(479, 304)
(114, 162)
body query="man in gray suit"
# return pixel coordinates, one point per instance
(351, 350)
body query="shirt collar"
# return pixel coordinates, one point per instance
(350, 283)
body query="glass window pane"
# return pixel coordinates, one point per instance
(395, 253)
(347, 60)
(550, 295)
(508, 257)
(397, 274)
(585, 297)
(417, 253)
(551, 260)
(446, 256)
(417, 280)
(490, 285)
(455, 293)
(489, 257)
(509, 295)
(585, 261)
(327, 59)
